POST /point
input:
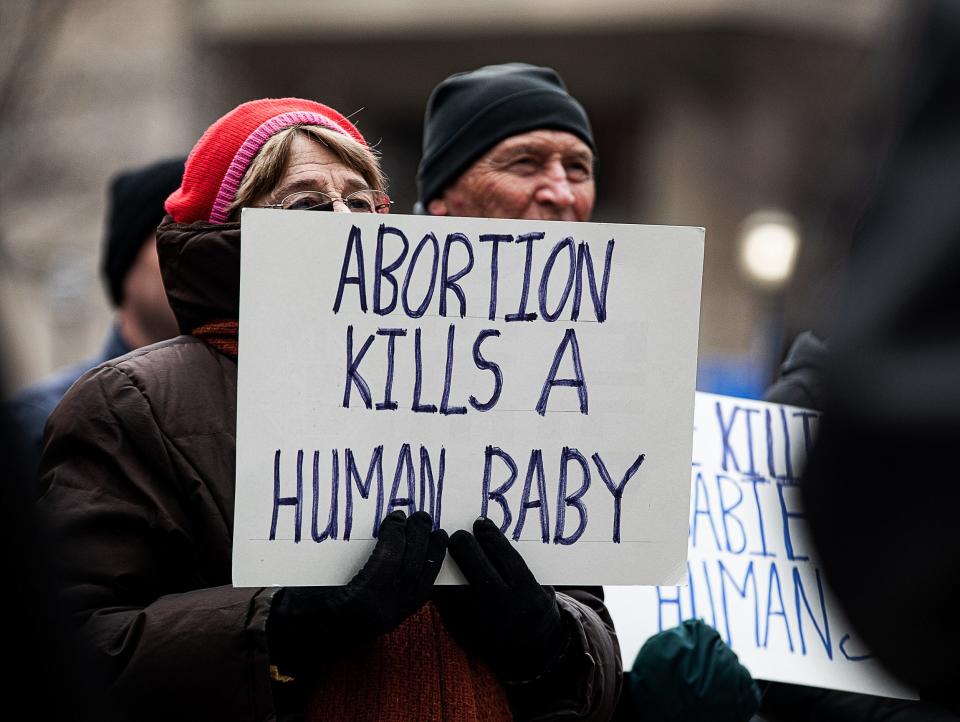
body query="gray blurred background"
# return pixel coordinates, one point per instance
(728, 114)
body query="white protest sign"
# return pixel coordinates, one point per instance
(751, 571)
(539, 373)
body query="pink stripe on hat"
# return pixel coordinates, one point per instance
(252, 145)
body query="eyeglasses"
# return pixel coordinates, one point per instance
(363, 201)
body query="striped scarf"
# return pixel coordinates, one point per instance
(221, 335)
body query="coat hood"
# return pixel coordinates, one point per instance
(200, 265)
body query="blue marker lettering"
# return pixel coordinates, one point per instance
(352, 475)
(445, 408)
(427, 481)
(295, 501)
(799, 594)
(599, 297)
(774, 579)
(497, 494)
(806, 417)
(381, 271)
(726, 512)
(545, 279)
(496, 239)
(353, 242)
(786, 516)
(521, 314)
(579, 382)
(700, 492)
(725, 430)
(616, 489)
(851, 657)
(418, 378)
(404, 471)
(331, 530)
(749, 432)
(663, 601)
(428, 295)
(448, 280)
(490, 366)
(391, 333)
(534, 467)
(748, 576)
(353, 376)
(754, 481)
(564, 500)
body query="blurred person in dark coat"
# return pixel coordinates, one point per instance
(38, 645)
(800, 377)
(883, 484)
(131, 271)
(509, 141)
(879, 485)
(802, 382)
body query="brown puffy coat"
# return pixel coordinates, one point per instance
(138, 476)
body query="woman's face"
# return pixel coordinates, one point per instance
(314, 167)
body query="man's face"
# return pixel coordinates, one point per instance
(541, 175)
(145, 298)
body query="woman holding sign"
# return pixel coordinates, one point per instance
(139, 472)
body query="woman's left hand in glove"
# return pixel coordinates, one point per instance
(503, 614)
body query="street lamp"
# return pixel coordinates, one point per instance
(769, 242)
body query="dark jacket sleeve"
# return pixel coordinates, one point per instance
(161, 638)
(585, 683)
(802, 374)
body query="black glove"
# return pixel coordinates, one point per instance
(503, 615)
(393, 584)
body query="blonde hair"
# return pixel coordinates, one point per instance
(268, 166)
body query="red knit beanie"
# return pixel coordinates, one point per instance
(219, 160)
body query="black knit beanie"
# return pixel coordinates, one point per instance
(469, 113)
(135, 209)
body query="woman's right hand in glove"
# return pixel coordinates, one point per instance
(394, 583)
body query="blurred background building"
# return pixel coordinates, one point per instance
(746, 117)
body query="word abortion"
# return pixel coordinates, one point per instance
(580, 264)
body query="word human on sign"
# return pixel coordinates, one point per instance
(751, 569)
(538, 373)
(448, 284)
(771, 585)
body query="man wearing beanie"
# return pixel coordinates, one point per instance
(506, 141)
(509, 141)
(132, 275)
